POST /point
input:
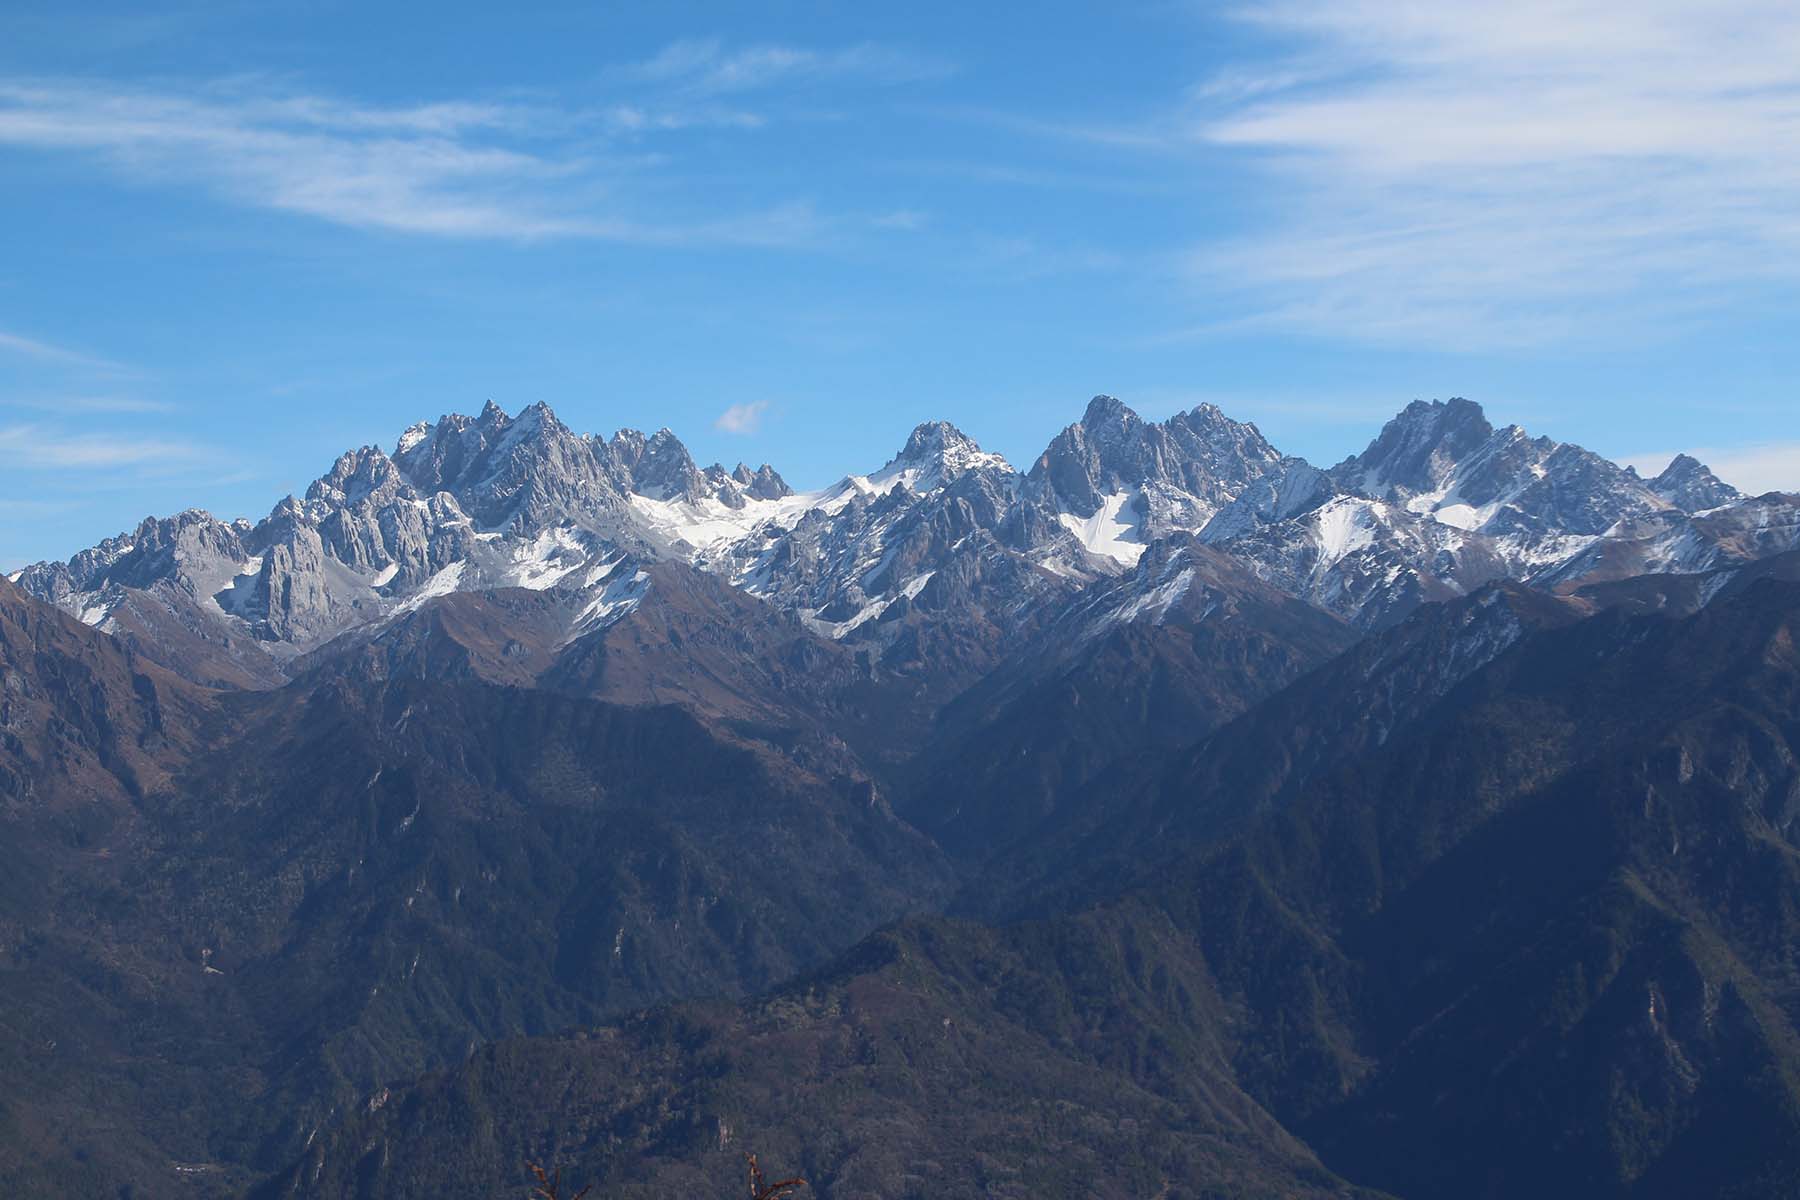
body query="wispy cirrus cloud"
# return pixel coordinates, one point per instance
(33, 447)
(457, 169)
(907, 220)
(34, 508)
(1467, 174)
(522, 167)
(427, 169)
(707, 66)
(742, 418)
(49, 352)
(88, 404)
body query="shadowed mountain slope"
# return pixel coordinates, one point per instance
(1510, 949)
(294, 896)
(1425, 824)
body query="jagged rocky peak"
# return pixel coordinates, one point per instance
(1419, 448)
(460, 450)
(438, 457)
(763, 483)
(168, 545)
(1107, 419)
(192, 540)
(1690, 485)
(1535, 494)
(1197, 461)
(736, 487)
(659, 466)
(359, 476)
(526, 472)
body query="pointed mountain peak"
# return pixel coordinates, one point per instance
(535, 424)
(659, 466)
(1417, 449)
(355, 475)
(765, 483)
(1196, 461)
(435, 455)
(933, 440)
(1108, 412)
(1210, 424)
(541, 414)
(1445, 417)
(942, 445)
(935, 453)
(1690, 485)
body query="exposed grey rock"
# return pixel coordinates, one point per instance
(1690, 485)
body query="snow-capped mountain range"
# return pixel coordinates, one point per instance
(944, 539)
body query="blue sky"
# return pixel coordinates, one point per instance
(240, 238)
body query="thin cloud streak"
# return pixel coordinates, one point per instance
(47, 352)
(37, 448)
(705, 66)
(89, 404)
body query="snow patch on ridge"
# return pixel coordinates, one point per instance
(710, 525)
(234, 596)
(440, 584)
(1344, 527)
(543, 562)
(612, 603)
(837, 630)
(1114, 530)
(93, 614)
(1158, 600)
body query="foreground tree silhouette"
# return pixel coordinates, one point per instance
(549, 1187)
(761, 1190)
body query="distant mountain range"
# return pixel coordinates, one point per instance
(1171, 818)
(944, 538)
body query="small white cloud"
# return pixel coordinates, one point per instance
(1755, 469)
(742, 418)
